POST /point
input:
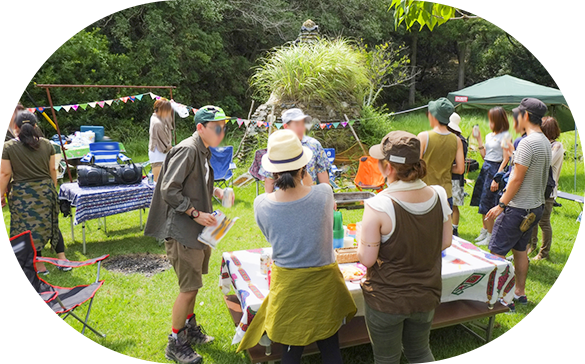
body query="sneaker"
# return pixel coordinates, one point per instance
(482, 235)
(512, 308)
(43, 273)
(485, 241)
(196, 334)
(455, 231)
(180, 349)
(523, 300)
(64, 269)
(556, 204)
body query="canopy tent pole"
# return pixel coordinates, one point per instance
(575, 188)
(59, 134)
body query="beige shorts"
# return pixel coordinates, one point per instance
(458, 193)
(190, 264)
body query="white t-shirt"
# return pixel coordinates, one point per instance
(493, 146)
(383, 202)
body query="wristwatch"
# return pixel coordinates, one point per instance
(502, 205)
(193, 214)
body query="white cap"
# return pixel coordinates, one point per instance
(454, 121)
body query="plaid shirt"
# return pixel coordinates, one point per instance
(318, 163)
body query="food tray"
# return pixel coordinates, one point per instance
(350, 198)
(346, 255)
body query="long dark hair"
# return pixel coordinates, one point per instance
(29, 134)
(286, 180)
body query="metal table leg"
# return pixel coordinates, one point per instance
(140, 210)
(105, 226)
(83, 233)
(71, 220)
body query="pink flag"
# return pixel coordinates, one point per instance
(32, 110)
(125, 98)
(75, 107)
(101, 103)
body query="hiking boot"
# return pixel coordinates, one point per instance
(180, 349)
(196, 334)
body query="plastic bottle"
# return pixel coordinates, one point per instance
(150, 177)
(338, 233)
(228, 195)
(476, 131)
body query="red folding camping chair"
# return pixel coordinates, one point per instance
(255, 168)
(368, 176)
(26, 298)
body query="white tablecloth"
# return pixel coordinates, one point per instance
(468, 273)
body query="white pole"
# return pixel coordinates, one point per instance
(575, 189)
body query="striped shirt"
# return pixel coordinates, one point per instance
(534, 152)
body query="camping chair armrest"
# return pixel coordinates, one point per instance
(232, 165)
(123, 158)
(70, 263)
(42, 297)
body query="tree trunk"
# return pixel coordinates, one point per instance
(463, 50)
(413, 46)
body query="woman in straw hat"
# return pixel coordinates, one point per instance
(308, 299)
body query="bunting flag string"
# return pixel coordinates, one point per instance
(182, 109)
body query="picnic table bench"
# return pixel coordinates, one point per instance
(355, 333)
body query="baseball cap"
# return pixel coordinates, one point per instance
(294, 114)
(398, 147)
(441, 109)
(210, 113)
(532, 106)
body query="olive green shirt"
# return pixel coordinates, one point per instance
(439, 155)
(29, 164)
(181, 185)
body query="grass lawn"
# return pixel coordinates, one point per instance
(135, 311)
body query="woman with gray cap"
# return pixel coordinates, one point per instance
(404, 229)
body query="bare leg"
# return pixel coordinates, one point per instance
(521, 268)
(488, 224)
(156, 172)
(183, 307)
(456, 215)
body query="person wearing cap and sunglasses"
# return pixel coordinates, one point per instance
(522, 203)
(308, 299)
(440, 147)
(404, 229)
(181, 207)
(319, 166)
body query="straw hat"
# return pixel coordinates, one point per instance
(454, 121)
(285, 153)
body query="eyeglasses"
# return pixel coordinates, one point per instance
(219, 129)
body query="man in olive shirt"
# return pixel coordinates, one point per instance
(181, 207)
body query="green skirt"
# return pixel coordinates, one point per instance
(34, 206)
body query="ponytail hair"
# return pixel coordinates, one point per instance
(410, 172)
(286, 180)
(29, 134)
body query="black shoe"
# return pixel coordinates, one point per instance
(196, 334)
(512, 308)
(556, 204)
(455, 231)
(523, 300)
(180, 349)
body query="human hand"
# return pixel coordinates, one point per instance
(494, 213)
(494, 186)
(206, 219)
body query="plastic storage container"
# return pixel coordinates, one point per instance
(98, 130)
(338, 233)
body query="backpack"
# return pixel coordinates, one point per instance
(550, 184)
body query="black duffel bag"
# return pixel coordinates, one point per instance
(471, 165)
(96, 175)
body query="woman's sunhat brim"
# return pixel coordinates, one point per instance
(455, 127)
(277, 167)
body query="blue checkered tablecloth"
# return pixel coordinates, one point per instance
(95, 202)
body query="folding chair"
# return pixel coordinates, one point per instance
(104, 153)
(223, 165)
(334, 172)
(368, 176)
(255, 168)
(26, 298)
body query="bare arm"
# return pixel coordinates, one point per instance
(268, 185)
(323, 177)
(512, 188)
(370, 236)
(5, 175)
(422, 137)
(459, 167)
(480, 145)
(53, 170)
(447, 234)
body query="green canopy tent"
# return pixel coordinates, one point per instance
(507, 91)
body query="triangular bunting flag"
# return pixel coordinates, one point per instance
(139, 97)
(75, 107)
(152, 96)
(132, 98)
(344, 123)
(41, 109)
(57, 108)
(92, 104)
(351, 122)
(158, 97)
(67, 107)
(335, 125)
(31, 110)
(246, 122)
(101, 103)
(322, 126)
(278, 125)
(259, 123)
(328, 125)
(125, 99)
(240, 122)
(109, 102)
(83, 106)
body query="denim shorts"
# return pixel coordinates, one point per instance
(507, 235)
